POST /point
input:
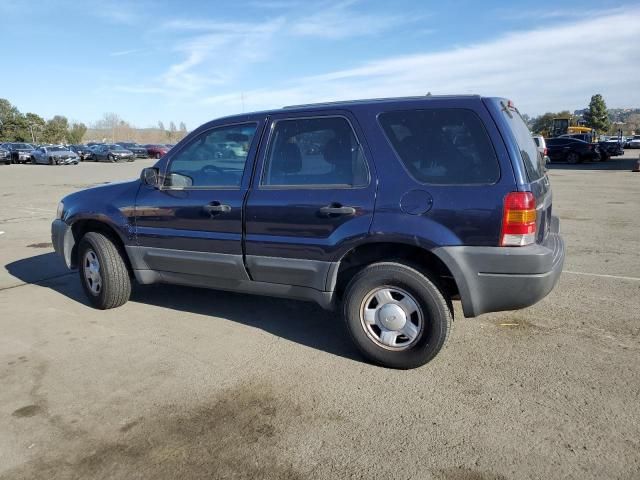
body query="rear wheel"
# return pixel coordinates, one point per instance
(103, 272)
(111, 158)
(396, 316)
(573, 158)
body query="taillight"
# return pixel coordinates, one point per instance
(518, 220)
(545, 152)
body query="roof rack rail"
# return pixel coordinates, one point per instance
(366, 100)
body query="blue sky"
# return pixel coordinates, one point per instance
(193, 61)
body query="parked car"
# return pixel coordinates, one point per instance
(571, 150)
(5, 155)
(54, 155)
(440, 198)
(613, 146)
(634, 142)
(156, 151)
(138, 150)
(82, 151)
(19, 152)
(542, 147)
(110, 153)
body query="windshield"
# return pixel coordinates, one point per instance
(24, 146)
(57, 149)
(531, 157)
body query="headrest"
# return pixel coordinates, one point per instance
(288, 159)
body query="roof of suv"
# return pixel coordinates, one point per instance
(350, 103)
(344, 103)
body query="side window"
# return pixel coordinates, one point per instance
(213, 159)
(319, 151)
(443, 145)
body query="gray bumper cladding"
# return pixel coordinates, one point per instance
(63, 241)
(493, 279)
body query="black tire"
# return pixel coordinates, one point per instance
(573, 158)
(437, 316)
(116, 284)
(111, 158)
(50, 161)
(33, 160)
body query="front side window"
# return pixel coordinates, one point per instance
(442, 146)
(216, 158)
(322, 152)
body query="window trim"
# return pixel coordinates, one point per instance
(412, 176)
(195, 138)
(322, 186)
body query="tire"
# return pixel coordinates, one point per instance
(158, 156)
(50, 161)
(111, 158)
(111, 287)
(573, 158)
(33, 160)
(402, 281)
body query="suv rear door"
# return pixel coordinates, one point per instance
(312, 197)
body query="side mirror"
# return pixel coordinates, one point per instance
(150, 176)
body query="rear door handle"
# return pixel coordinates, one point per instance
(216, 208)
(337, 210)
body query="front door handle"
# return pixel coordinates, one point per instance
(337, 210)
(216, 208)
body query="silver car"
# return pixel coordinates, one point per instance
(54, 155)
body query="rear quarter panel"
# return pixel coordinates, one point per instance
(460, 214)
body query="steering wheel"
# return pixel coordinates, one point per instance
(212, 169)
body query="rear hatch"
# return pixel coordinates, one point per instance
(529, 162)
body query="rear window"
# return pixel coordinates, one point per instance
(531, 157)
(442, 146)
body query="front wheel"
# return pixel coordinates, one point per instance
(103, 272)
(397, 317)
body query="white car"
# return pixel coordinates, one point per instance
(542, 147)
(634, 142)
(54, 155)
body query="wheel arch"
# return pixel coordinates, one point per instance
(419, 257)
(84, 225)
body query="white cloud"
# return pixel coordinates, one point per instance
(122, 53)
(336, 21)
(547, 69)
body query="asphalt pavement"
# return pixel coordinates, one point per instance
(189, 383)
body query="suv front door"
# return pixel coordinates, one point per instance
(190, 227)
(312, 198)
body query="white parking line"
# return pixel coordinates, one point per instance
(619, 277)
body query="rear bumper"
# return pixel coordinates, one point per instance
(493, 279)
(63, 241)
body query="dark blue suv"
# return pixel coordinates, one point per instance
(390, 208)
